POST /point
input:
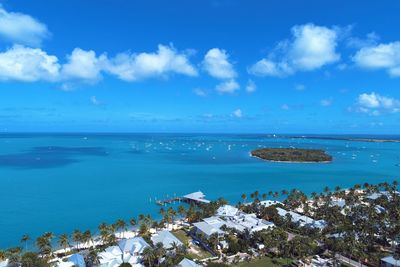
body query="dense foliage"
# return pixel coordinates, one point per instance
(291, 154)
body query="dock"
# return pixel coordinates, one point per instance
(195, 198)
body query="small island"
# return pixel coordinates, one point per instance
(292, 155)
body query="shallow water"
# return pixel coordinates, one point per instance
(63, 182)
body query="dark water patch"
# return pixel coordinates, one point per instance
(136, 152)
(48, 157)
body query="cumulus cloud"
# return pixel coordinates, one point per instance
(285, 107)
(228, 87)
(251, 86)
(95, 101)
(167, 60)
(375, 104)
(311, 47)
(200, 92)
(28, 65)
(21, 29)
(381, 56)
(326, 102)
(20, 63)
(216, 63)
(83, 65)
(300, 87)
(237, 113)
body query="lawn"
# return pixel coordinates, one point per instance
(182, 236)
(266, 262)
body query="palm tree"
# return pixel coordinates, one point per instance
(120, 225)
(44, 243)
(132, 221)
(77, 237)
(87, 237)
(92, 257)
(244, 197)
(159, 252)
(182, 211)
(25, 238)
(13, 256)
(148, 255)
(63, 241)
(264, 196)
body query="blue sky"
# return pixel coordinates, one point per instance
(200, 66)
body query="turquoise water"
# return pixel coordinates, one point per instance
(61, 182)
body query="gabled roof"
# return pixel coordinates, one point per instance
(196, 196)
(114, 250)
(78, 260)
(188, 263)
(166, 238)
(133, 245)
(227, 211)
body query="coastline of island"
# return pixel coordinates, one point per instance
(291, 155)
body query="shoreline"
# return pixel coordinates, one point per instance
(297, 162)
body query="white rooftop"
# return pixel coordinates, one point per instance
(302, 220)
(188, 263)
(227, 211)
(166, 238)
(134, 245)
(196, 196)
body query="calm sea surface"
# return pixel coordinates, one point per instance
(64, 182)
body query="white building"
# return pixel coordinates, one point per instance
(128, 250)
(302, 220)
(231, 217)
(166, 238)
(188, 263)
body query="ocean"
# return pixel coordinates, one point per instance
(62, 182)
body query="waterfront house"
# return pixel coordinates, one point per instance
(302, 220)
(231, 217)
(166, 238)
(209, 226)
(128, 250)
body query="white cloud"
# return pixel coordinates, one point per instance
(251, 86)
(229, 87)
(216, 63)
(382, 56)
(28, 64)
(375, 104)
(371, 39)
(21, 63)
(237, 113)
(326, 102)
(165, 61)
(200, 92)
(94, 101)
(83, 65)
(300, 87)
(21, 28)
(310, 48)
(285, 107)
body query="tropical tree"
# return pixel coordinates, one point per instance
(77, 237)
(149, 256)
(24, 239)
(63, 241)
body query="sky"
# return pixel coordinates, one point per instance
(200, 66)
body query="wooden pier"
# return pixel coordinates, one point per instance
(168, 201)
(196, 198)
